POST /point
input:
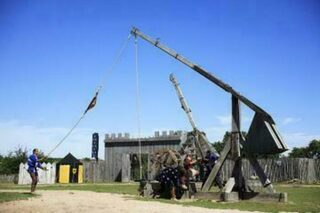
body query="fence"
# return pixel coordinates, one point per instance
(94, 171)
(284, 169)
(278, 170)
(8, 178)
(45, 177)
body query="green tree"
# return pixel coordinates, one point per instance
(218, 145)
(311, 151)
(10, 164)
(314, 149)
(297, 152)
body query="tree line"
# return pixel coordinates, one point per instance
(9, 164)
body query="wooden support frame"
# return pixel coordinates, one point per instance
(235, 128)
(233, 146)
(262, 176)
(223, 156)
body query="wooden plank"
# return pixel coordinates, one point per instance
(237, 174)
(230, 197)
(125, 168)
(265, 197)
(223, 155)
(262, 176)
(229, 185)
(235, 131)
(208, 196)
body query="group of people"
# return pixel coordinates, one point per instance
(175, 180)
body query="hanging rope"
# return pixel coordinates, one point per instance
(94, 100)
(138, 105)
(115, 61)
(65, 137)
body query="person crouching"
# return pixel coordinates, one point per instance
(172, 180)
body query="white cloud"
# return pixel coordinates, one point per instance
(216, 133)
(224, 119)
(298, 139)
(14, 133)
(290, 120)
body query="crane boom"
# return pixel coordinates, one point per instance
(136, 32)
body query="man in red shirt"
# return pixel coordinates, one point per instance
(188, 165)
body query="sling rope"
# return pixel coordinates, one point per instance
(93, 101)
(138, 105)
(115, 61)
(65, 137)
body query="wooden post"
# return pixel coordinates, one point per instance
(223, 156)
(94, 171)
(262, 176)
(235, 145)
(235, 128)
(148, 172)
(125, 168)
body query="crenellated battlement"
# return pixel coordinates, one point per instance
(115, 137)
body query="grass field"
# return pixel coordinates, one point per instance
(301, 198)
(9, 196)
(102, 187)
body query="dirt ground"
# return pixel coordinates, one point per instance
(86, 201)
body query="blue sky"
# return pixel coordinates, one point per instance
(54, 54)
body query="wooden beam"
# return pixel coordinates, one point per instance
(223, 156)
(229, 185)
(235, 128)
(262, 176)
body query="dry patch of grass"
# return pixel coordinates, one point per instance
(301, 198)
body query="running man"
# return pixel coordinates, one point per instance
(33, 165)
